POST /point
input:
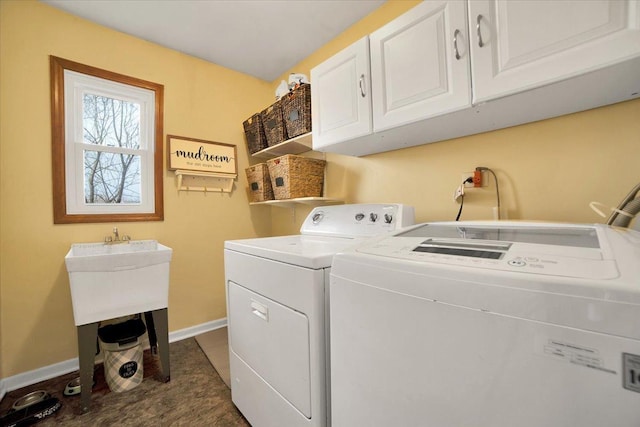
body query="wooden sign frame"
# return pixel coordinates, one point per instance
(199, 155)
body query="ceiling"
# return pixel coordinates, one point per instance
(262, 38)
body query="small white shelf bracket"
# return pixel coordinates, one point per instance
(208, 182)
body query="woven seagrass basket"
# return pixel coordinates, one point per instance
(273, 123)
(295, 176)
(254, 133)
(296, 111)
(259, 183)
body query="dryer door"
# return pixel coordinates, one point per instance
(274, 341)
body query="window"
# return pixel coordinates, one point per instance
(107, 145)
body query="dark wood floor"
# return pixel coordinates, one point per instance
(195, 396)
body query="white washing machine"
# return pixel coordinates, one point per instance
(497, 324)
(277, 292)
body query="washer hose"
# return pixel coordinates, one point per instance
(630, 205)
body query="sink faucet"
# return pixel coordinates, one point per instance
(116, 237)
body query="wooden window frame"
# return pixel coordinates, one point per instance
(60, 214)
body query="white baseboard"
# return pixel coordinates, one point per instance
(57, 369)
(197, 330)
(3, 390)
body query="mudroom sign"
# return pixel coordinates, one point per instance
(201, 156)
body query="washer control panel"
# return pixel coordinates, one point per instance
(569, 252)
(357, 220)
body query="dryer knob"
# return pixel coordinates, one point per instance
(388, 218)
(373, 217)
(317, 217)
(359, 217)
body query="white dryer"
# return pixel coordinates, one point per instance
(277, 295)
(495, 324)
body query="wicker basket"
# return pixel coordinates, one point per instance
(296, 176)
(259, 183)
(254, 132)
(274, 128)
(296, 111)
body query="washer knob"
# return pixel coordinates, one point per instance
(317, 217)
(388, 218)
(359, 217)
(373, 217)
(517, 262)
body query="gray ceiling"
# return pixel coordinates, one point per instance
(262, 38)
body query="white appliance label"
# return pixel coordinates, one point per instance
(573, 353)
(631, 368)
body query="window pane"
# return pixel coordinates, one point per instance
(111, 178)
(111, 122)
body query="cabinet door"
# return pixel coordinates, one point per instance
(519, 45)
(420, 64)
(341, 97)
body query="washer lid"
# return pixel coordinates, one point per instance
(540, 234)
(589, 288)
(577, 251)
(305, 251)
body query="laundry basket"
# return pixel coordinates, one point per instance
(259, 183)
(296, 111)
(273, 124)
(296, 176)
(254, 133)
(123, 355)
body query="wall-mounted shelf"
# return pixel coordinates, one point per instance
(290, 203)
(208, 182)
(297, 145)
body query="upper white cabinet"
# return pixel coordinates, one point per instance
(406, 71)
(341, 96)
(518, 45)
(447, 69)
(415, 70)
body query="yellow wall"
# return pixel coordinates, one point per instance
(549, 170)
(202, 100)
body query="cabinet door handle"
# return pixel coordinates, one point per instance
(361, 84)
(455, 43)
(480, 42)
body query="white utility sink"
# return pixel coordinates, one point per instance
(83, 249)
(113, 280)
